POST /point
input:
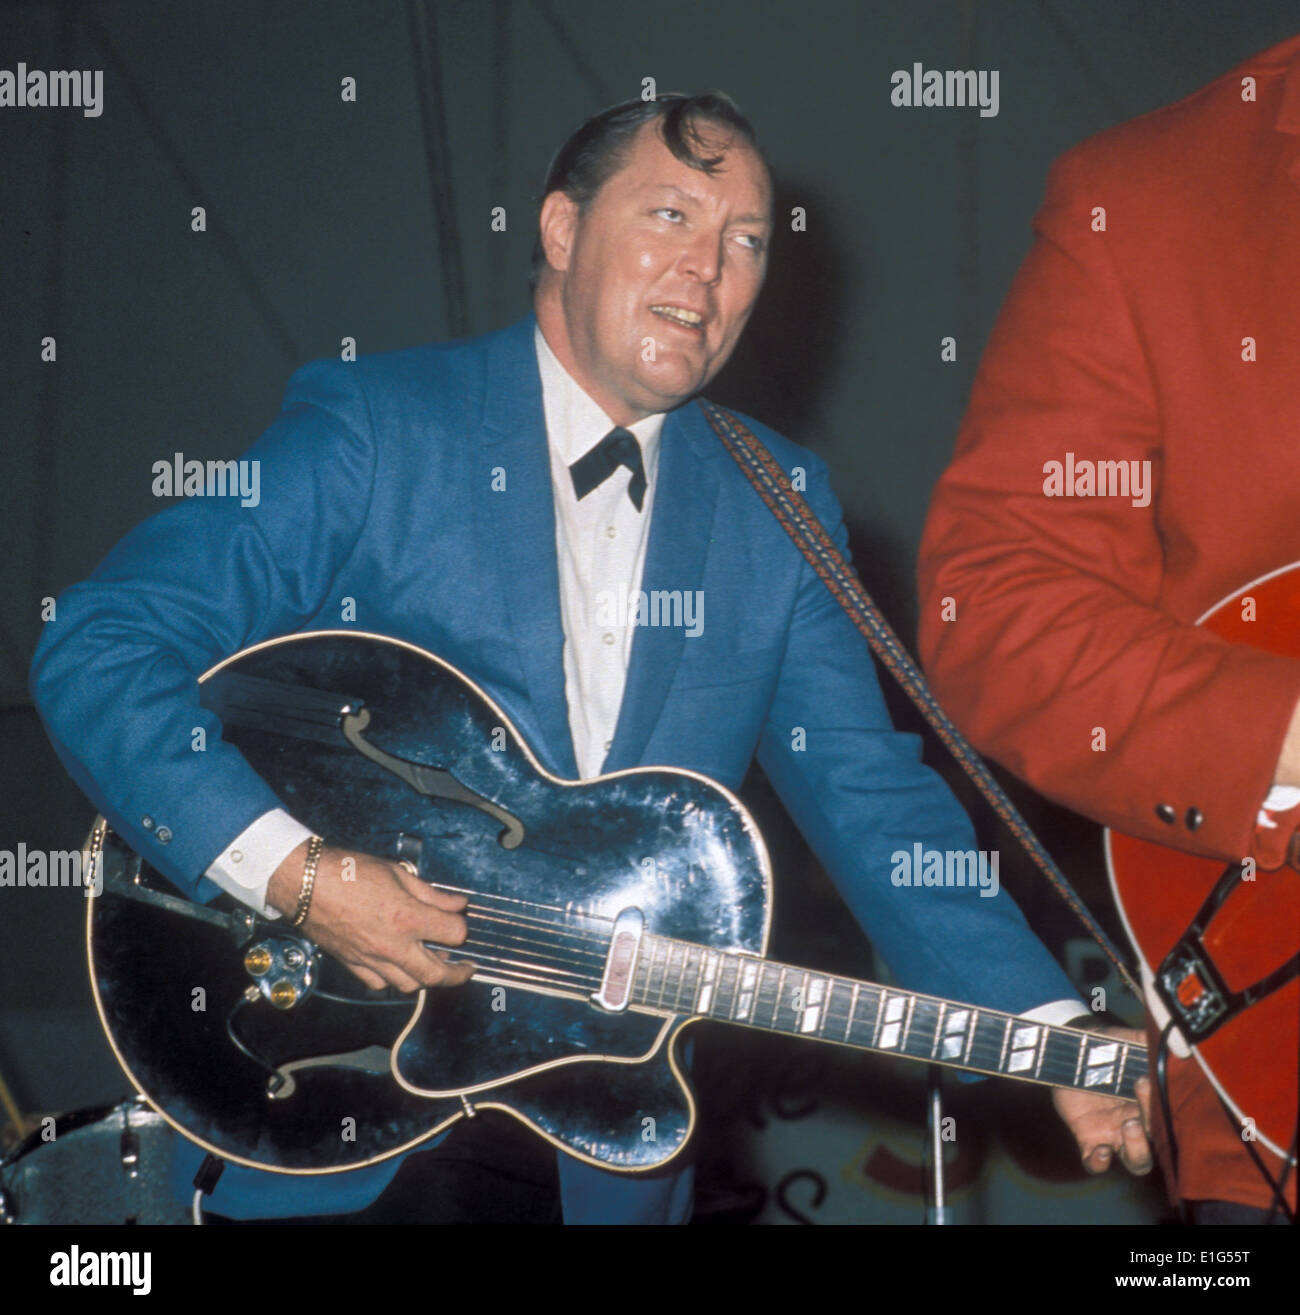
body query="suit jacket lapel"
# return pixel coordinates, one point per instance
(520, 520)
(681, 530)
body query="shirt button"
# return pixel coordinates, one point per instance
(164, 835)
(611, 532)
(609, 744)
(236, 855)
(607, 637)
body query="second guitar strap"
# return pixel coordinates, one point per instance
(799, 522)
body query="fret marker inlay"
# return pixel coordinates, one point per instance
(892, 1031)
(1100, 1065)
(954, 1033)
(710, 977)
(1024, 1047)
(748, 975)
(813, 1005)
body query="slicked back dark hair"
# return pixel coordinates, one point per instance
(597, 151)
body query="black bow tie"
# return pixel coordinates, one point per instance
(618, 448)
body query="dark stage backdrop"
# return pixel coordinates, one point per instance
(372, 219)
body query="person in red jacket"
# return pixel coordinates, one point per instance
(1153, 325)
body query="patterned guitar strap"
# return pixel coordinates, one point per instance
(799, 522)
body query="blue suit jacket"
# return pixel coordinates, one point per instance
(417, 485)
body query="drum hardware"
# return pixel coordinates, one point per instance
(106, 1165)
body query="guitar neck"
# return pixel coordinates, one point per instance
(776, 997)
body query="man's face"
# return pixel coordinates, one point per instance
(659, 272)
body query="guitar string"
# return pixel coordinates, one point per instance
(521, 944)
(522, 903)
(594, 937)
(1136, 1057)
(986, 1053)
(592, 943)
(594, 948)
(597, 955)
(503, 954)
(682, 978)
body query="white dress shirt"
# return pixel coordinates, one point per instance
(600, 546)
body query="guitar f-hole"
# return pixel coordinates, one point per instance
(433, 782)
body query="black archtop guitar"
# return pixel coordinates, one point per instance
(604, 917)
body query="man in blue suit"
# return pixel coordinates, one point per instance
(500, 501)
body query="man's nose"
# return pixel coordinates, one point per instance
(702, 257)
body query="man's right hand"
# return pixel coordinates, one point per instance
(374, 917)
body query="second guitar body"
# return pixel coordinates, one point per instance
(1221, 945)
(603, 916)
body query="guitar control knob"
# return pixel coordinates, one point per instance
(284, 995)
(258, 960)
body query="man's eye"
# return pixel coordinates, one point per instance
(669, 213)
(752, 241)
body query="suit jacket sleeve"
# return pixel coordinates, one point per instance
(114, 675)
(1059, 634)
(860, 795)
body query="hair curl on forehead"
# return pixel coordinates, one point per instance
(598, 150)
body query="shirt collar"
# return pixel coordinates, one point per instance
(575, 423)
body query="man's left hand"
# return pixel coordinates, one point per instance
(1106, 1126)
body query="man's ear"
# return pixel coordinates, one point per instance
(557, 225)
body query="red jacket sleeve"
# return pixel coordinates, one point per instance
(1046, 628)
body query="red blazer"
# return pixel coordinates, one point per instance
(1128, 342)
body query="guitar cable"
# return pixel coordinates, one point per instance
(1166, 1113)
(1277, 1186)
(205, 1181)
(275, 1079)
(1279, 1203)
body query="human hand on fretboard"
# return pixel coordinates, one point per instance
(1104, 1127)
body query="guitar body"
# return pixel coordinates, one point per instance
(341, 1077)
(603, 916)
(1251, 1057)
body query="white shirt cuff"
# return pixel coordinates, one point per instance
(245, 868)
(1056, 1014)
(1280, 799)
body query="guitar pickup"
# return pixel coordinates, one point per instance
(620, 963)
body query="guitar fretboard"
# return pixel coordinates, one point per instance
(739, 988)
